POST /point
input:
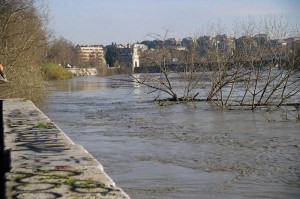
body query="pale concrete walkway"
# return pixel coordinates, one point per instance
(46, 163)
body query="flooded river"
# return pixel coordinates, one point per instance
(185, 151)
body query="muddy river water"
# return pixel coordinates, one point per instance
(182, 150)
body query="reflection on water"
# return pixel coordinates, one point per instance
(79, 84)
(177, 151)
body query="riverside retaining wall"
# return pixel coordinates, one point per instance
(46, 163)
(83, 71)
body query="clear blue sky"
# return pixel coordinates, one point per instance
(129, 21)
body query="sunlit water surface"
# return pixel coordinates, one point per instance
(180, 150)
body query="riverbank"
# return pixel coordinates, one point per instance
(46, 163)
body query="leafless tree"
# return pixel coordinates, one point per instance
(171, 64)
(63, 52)
(254, 67)
(261, 69)
(23, 44)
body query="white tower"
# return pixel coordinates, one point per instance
(135, 57)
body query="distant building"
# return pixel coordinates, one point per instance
(279, 43)
(181, 48)
(173, 41)
(91, 53)
(261, 39)
(188, 41)
(225, 45)
(292, 42)
(246, 44)
(206, 44)
(129, 55)
(135, 56)
(265, 36)
(141, 47)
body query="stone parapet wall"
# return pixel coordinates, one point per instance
(46, 163)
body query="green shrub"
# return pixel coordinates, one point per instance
(56, 72)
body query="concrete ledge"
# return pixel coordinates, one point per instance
(83, 71)
(46, 163)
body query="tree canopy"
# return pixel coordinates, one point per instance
(112, 55)
(23, 47)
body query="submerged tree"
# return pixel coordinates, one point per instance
(255, 68)
(171, 63)
(261, 69)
